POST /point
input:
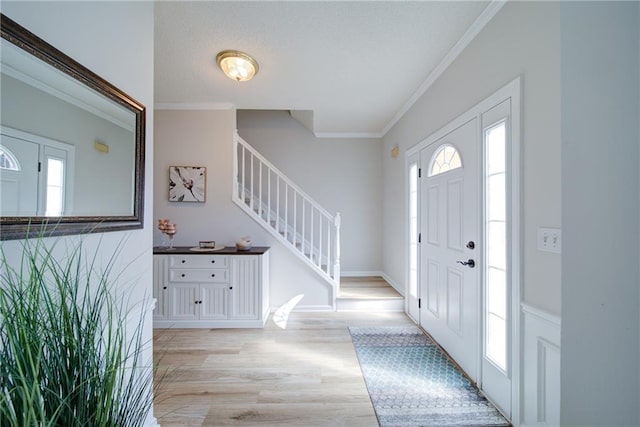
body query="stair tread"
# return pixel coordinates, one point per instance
(368, 292)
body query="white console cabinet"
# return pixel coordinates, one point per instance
(222, 289)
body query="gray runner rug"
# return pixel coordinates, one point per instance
(412, 383)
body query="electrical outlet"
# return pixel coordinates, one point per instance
(549, 240)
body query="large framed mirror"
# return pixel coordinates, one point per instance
(71, 147)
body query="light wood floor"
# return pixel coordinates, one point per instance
(305, 375)
(367, 287)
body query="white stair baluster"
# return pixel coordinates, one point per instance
(295, 217)
(319, 261)
(286, 210)
(304, 230)
(269, 197)
(307, 240)
(328, 248)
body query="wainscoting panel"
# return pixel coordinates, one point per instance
(541, 368)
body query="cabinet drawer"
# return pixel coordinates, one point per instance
(198, 275)
(199, 261)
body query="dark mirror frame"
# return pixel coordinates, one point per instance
(12, 228)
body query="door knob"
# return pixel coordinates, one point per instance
(471, 245)
(469, 263)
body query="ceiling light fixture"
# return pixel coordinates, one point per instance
(237, 65)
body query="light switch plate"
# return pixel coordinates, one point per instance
(549, 240)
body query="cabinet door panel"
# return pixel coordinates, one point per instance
(214, 302)
(245, 295)
(184, 301)
(160, 282)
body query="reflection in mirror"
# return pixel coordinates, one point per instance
(71, 144)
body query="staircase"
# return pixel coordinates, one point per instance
(287, 212)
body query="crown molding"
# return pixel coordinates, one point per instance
(352, 135)
(487, 15)
(194, 106)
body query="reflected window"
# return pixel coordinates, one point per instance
(7, 160)
(55, 187)
(445, 158)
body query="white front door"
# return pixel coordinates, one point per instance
(19, 177)
(449, 260)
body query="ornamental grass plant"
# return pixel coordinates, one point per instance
(71, 349)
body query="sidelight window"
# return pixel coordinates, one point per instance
(496, 245)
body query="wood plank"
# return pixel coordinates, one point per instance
(305, 375)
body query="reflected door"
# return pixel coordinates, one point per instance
(19, 176)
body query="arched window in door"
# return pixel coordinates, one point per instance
(444, 159)
(7, 160)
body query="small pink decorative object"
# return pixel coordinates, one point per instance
(162, 225)
(169, 229)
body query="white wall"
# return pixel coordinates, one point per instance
(522, 39)
(343, 175)
(115, 40)
(600, 185)
(205, 138)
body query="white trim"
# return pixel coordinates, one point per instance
(352, 135)
(540, 380)
(151, 421)
(541, 314)
(394, 284)
(194, 106)
(355, 273)
(310, 308)
(171, 324)
(485, 17)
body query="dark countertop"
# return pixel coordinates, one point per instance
(228, 250)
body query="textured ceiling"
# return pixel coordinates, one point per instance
(355, 65)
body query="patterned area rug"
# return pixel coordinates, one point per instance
(412, 383)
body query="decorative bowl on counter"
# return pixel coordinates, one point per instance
(243, 243)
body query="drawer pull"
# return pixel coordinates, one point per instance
(184, 260)
(213, 261)
(164, 287)
(213, 275)
(182, 275)
(230, 287)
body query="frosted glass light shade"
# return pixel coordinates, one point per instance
(237, 65)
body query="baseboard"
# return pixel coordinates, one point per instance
(308, 308)
(151, 422)
(396, 286)
(382, 274)
(361, 274)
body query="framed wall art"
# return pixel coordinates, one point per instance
(187, 183)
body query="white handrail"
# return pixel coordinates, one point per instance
(277, 211)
